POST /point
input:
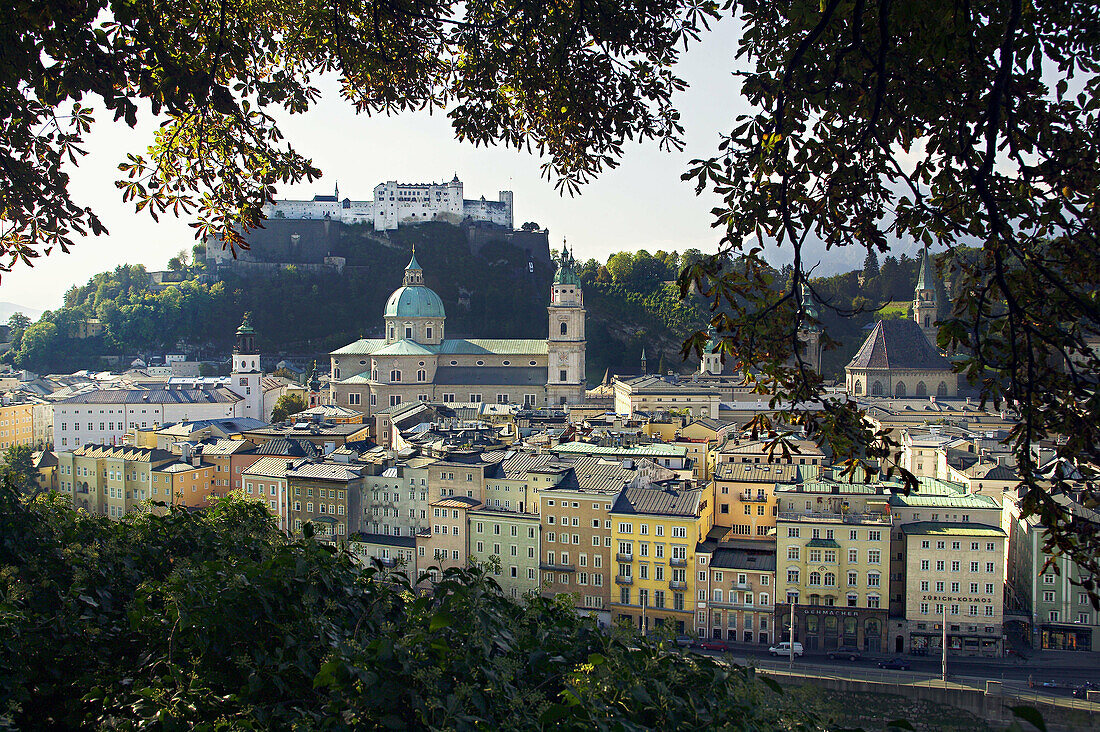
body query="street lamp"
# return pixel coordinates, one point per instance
(943, 670)
(791, 662)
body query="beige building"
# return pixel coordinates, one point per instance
(833, 563)
(736, 591)
(954, 574)
(447, 543)
(111, 480)
(652, 394)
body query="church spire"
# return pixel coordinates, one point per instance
(926, 300)
(926, 276)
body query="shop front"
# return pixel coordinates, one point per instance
(1065, 637)
(962, 640)
(824, 628)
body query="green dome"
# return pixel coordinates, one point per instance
(414, 301)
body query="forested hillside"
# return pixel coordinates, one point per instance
(632, 304)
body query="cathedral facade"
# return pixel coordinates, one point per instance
(415, 361)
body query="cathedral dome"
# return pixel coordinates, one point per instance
(414, 301)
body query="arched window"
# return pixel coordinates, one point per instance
(927, 321)
(391, 332)
(859, 387)
(815, 579)
(899, 389)
(922, 390)
(563, 328)
(421, 375)
(830, 579)
(395, 375)
(876, 388)
(942, 390)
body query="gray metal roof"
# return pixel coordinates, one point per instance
(155, 396)
(534, 376)
(326, 471)
(898, 344)
(659, 501)
(754, 558)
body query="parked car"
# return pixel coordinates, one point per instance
(897, 662)
(849, 652)
(710, 645)
(683, 641)
(784, 649)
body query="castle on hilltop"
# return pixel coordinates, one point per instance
(399, 204)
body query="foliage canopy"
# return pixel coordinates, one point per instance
(215, 619)
(943, 123)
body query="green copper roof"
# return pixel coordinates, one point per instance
(405, 348)
(414, 301)
(940, 528)
(566, 275)
(246, 325)
(712, 340)
(413, 264)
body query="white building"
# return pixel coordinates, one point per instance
(103, 416)
(395, 204)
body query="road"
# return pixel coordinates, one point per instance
(965, 671)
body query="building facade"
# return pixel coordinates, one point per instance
(399, 204)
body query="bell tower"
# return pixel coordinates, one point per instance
(809, 333)
(565, 346)
(711, 362)
(245, 378)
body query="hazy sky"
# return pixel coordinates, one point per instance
(643, 204)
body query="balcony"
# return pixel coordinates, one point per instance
(880, 519)
(624, 557)
(741, 586)
(739, 606)
(677, 585)
(555, 567)
(623, 580)
(387, 561)
(750, 496)
(678, 562)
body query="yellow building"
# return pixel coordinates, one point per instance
(16, 425)
(184, 483)
(745, 496)
(655, 531)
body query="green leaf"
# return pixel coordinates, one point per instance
(1031, 715)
